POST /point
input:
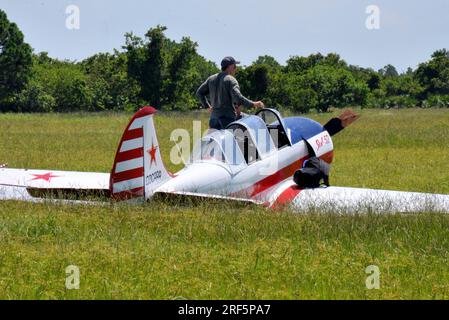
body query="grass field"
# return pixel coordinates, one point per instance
(160, 251)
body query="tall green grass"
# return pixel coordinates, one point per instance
(175, 251)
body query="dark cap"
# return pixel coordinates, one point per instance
(227, 61)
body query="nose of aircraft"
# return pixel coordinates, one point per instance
(208, 178)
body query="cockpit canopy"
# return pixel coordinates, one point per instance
(218, 146)
(244, 141)
(276, 127)
(253, 138)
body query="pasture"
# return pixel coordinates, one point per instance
(207, 251)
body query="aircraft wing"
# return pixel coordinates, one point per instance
(354, 200)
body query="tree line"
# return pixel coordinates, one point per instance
(157, 71)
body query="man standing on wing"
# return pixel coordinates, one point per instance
(224, 91)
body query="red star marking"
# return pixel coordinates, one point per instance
(152, 153)
(46, 176)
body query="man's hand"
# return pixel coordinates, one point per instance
(258, 105)
(210, 109)
(238, 110)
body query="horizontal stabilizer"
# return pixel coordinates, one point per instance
(52, 179)
(24, 184)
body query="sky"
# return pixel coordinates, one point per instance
(407, 34)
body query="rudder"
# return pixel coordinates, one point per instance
(138, 168)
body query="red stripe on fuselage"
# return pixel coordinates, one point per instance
(286, 197)
(275, 178)
(279, 176)
(328, 157)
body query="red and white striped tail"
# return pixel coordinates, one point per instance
(138, 169)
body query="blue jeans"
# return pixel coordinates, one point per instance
(220, 123)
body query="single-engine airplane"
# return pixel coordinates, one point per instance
(252, 161)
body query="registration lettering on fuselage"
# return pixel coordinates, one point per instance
(153, 177)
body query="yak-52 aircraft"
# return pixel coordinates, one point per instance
(253, 160)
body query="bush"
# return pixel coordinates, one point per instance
(437, 101)
(335, 87)
(35, 99)
(404, 101)
(303, 100)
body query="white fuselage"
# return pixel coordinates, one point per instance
(244, 181)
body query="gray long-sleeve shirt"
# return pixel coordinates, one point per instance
(223, 90)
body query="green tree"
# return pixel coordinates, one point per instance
(268, 61)
(65, 82)
(255, 81)
(108, 78)
(135, 53)
(15, 60)
(291, 91)
(434, 74)
(168, 73)
(335, 87)
(35, 98)
(389, 71)
(374, 81)
(178, 88)
(153, 65)
(300, 64)
(402, 85)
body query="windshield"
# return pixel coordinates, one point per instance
(256, 140)
(219, 146)
(211, 150)
(275, 126)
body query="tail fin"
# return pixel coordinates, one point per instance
(138, 169)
